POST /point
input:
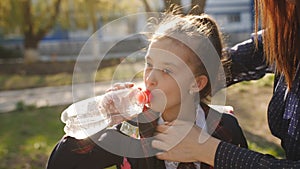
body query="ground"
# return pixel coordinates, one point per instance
(250, 102)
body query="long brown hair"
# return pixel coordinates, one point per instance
(281, 35)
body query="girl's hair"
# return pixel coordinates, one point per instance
(203, 25)
(281, 35)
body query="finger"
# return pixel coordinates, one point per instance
(129, 84)
(118, 86)
(160, 136)
(162, 128)
(115, 86)
(160, 145)
(169, 123)
(108, 90)
(180, 123)
(116, 119)
(162, 155)
(123, 85)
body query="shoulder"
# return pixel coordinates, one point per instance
(217, 120)
(224, 125)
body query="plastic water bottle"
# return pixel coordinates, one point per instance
(87, 117)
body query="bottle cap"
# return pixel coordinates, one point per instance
(144, 97)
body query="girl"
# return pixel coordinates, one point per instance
(181, 72)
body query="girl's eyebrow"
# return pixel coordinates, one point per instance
(170, 64)
(148, 57)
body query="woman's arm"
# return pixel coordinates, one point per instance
(230, 156)
(247, 61)
(199, 146)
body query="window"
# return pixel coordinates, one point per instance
(233, 18)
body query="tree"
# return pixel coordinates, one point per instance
(168, 3)
(35, 18)
(31, 20)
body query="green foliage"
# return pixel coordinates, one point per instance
(72, 13)
(21, 106)
(10, 82)
(28, 136)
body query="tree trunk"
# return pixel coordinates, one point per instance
(31, 37)
(147, 6)
(31, 53)
(200, 9)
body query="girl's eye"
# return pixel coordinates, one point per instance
(167, 71)
(148, 65)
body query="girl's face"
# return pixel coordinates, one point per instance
(168, 76)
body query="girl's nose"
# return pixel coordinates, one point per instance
(151, 78)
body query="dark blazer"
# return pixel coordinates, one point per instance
(70, 153)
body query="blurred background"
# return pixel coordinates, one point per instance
(40, 42)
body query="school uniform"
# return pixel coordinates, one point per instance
(70, 153)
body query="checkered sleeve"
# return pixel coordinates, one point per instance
(229, 156)
(246, 60)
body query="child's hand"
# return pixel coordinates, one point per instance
(118, 86)
(107, 104)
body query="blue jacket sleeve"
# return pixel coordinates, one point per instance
(247, 61)
(71, 153)
(229, 156)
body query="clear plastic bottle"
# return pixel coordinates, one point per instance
(87, 117)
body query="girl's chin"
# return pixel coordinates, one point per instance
(155, 107)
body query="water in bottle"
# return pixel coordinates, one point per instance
(87, 117)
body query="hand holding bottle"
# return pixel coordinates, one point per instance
(124, 103)
(87, 117)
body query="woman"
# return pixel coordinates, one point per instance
(281, 21)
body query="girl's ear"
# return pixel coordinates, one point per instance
(200, 83)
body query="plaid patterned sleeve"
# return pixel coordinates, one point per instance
(229, 156)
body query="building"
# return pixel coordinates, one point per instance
(235, 17)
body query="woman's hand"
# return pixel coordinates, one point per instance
(185, 142)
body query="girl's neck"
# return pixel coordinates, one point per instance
(184, 111)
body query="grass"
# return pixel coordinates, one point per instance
(250, 101)
(11, 82)
(27, 136)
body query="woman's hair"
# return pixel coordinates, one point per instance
(191, 26)
(281, 36)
